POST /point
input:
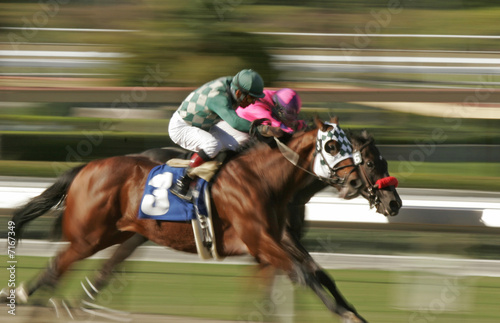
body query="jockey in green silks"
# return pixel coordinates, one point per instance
(193, 125)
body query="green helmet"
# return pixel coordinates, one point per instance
(249, 82)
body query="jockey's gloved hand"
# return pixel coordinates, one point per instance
(268, 131)
(254, 132)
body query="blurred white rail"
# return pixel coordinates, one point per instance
(377, 35)
(53, 53)
(95, 30)
(444, 209)
(462, 210)
(386, 59)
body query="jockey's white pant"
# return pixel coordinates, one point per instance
(220, 137)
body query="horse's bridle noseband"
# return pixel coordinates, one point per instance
(373, 199)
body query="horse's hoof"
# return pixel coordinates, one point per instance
(95, 310)
(350, 317)
(21, 294)
(4, 293)
(61, 308)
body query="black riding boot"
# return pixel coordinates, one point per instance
(181, 187)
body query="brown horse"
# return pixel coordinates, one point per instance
(250, 196)
(372, 167)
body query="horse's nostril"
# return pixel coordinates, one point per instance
(394, 206)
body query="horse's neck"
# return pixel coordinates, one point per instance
(291, 177)
(304, 145)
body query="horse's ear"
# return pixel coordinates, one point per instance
(334, 119)
(318, 122)
(366, 135)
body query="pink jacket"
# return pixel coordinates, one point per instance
(262, 109)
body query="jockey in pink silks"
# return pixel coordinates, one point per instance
(280, 107)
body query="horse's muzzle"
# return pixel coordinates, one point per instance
(390, 207)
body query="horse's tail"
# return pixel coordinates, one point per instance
(39, 205)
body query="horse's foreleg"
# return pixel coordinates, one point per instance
(338, 305)
(330, 285)
(267, 250)
(123, 251)
(304, 269)
(323, 278)
(297, 207)
(318, 279)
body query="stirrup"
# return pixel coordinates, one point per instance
(181, 188)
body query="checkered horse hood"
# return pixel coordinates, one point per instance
(325, 162)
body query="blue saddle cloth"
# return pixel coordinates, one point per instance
(159, 204)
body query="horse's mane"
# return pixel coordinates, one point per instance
(359, 138)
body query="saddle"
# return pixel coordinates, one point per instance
(158, 204)
(205, 171)
(202, 226)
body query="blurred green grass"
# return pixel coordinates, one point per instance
(387, 127)
(472, 176)
(231, 292)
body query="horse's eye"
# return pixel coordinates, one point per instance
(330, 147)
(370, 164)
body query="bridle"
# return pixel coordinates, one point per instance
(357, 156)
(333, 178)
(371, 187)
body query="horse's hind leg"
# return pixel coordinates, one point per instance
(57, 267)
(123, 251)
(92, 289)
(78, 249)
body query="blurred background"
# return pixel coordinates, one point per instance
(86, 79)
(152, 53)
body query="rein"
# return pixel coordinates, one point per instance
(379, 184)
(373, 199)
(358, 160)
(294, 158)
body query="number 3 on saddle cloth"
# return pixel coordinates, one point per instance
(159, 204)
